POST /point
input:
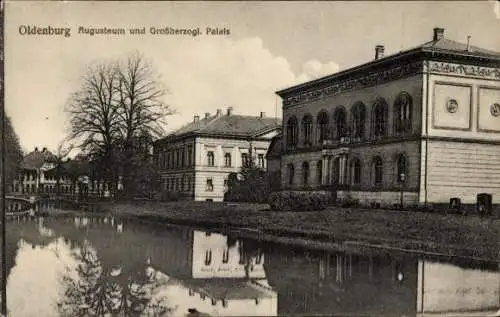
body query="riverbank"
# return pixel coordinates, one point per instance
(450, 235)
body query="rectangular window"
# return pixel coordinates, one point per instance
(208, 257)
(227, 160)
(261, 160)
(225, 256)
(210, 185)
(190, 156)
(244, 159)
(210, 158)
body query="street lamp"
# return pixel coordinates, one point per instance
(402, 179)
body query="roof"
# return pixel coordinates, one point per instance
(275, 147)
(230, 125)
(36, 159)
(442, 45)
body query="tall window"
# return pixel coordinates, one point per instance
(183, 157)
(402, 113)
(210, 158)
(355, 171)
(208, 257)
(358, 121)
(305, 173)
(261, 160)
(307, 129)
(291, 174)
(210, 185)
(336, 170)
(190, 155)
(340, 118)
(379, 119)
(291, 132)
(378, 170)
(245, 160)
(319, 172)
(227, 159)
(322, 124)
(225, 256)
(402, 168)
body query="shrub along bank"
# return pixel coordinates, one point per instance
(428, 232)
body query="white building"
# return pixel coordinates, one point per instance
(196, 159)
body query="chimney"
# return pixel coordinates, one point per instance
(219, 112)
(229, 111)
(196, 119)
(262, 115)
(207, 115)
(379, 51)
(438, 34)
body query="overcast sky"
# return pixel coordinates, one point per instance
(270, 46)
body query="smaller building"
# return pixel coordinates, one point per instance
(197, 159)
(35, 177)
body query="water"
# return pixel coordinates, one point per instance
(95, 266)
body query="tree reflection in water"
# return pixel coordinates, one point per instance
(101, 291)
(248, 250)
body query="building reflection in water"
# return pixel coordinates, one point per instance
(228, 276)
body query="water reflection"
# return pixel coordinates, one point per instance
(104, 266)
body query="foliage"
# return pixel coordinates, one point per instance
(97, 291)
(11, 150)
(300, 201)
(250, 185)
(115, 114)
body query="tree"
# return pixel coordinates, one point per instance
(59, 170)
(142, 113)
(12, 151)
(119, 105)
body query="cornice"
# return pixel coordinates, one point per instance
(395, 73)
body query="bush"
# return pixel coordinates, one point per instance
(169, 196)
(299, 201)
(348, 201)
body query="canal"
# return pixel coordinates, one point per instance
(103, 266)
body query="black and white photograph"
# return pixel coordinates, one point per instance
(250, 158)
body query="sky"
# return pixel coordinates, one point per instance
(270, 46)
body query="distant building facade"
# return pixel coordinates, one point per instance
(197, 159)
(34, 176)
(425, 121)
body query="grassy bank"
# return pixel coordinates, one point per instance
(453, 235)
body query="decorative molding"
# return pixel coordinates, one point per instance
(462, 70)
(451, 105)
(371, 79)
(434, 106)
(495, 109)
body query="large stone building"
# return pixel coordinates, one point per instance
(196, 159)
(425, 121)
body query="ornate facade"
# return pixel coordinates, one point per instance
(423, 124)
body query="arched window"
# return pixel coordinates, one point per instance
(402, 168)
(379, 119)
(358, 121)
(402, 113)
(378, 169)
(305, 173)
(227, 159)
(319, 172)
(355, 171)
(340, 118)
(291, 132)
(291, 174)
(307, 129)
(322, 126)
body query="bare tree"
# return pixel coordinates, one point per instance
(94, 114)
(142, 113)
(119, 107)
